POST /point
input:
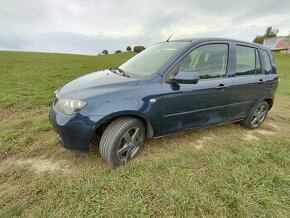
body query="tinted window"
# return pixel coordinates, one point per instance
(245, 60)
(258, 64)
(266, 61)
(209, 61)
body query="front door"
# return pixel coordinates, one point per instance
(187, 106)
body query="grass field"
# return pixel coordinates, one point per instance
(220, 171)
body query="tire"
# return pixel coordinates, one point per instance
(257, 116)
(122, 140)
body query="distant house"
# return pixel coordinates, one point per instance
(277, 43)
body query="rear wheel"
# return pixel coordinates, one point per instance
(256, 116)
(122, 140)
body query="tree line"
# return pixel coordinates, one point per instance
(269, 32)
(136, 49)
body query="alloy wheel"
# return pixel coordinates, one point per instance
(129, 144)
(259, 116)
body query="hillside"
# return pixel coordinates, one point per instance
(220, 171)
(31, 78)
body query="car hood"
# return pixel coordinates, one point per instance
(96, 83)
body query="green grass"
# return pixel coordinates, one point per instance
(29, 79)
(220, 171)
(283, 67)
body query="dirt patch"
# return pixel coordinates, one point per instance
(265, 132)
(250, 136)
(38, 165)
(200, 143)
(273, 125)
(9, 114)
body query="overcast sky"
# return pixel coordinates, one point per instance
(89, 26)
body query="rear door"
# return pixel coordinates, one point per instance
(268, 67)
(248, 81)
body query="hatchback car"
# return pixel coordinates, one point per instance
(170, 87)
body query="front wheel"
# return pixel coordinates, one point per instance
(257, 116)
(122, 140)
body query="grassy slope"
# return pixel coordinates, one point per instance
(30, 78)
(283, 66)
(221, 171)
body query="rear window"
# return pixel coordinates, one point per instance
(248, 61)
(245, 60)
(266, 61)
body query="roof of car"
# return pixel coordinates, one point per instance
(215, 39)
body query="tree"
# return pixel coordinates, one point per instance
(105, 52)
(270, 32)
(129, 48)
(138, 48)
(118, 51)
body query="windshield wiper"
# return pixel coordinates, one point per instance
(123, 72)
(120, 71)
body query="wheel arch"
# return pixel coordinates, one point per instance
(269, 102)
(101, 128)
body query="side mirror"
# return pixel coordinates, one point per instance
(182, 77)
(186, 78)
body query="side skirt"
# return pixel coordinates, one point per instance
(197, 128)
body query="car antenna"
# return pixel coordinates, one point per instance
(177, 28)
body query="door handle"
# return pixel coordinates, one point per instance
(260, 82)
(222, 86)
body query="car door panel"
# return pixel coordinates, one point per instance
(188, 106)
(248, 85)
(246, 92)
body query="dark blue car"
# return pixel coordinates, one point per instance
(170, 87)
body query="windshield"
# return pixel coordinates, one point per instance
(146, 63)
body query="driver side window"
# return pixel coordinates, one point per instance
(208, 61)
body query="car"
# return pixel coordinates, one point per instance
(170, 87)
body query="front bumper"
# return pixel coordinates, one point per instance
(75, 131)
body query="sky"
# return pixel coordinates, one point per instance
(89, 26)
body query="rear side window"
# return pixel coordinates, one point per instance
(266, 61)
(245, 60)
(209, 61)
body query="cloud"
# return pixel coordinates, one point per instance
(88, 27)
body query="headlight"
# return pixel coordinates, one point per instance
(69, 106)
